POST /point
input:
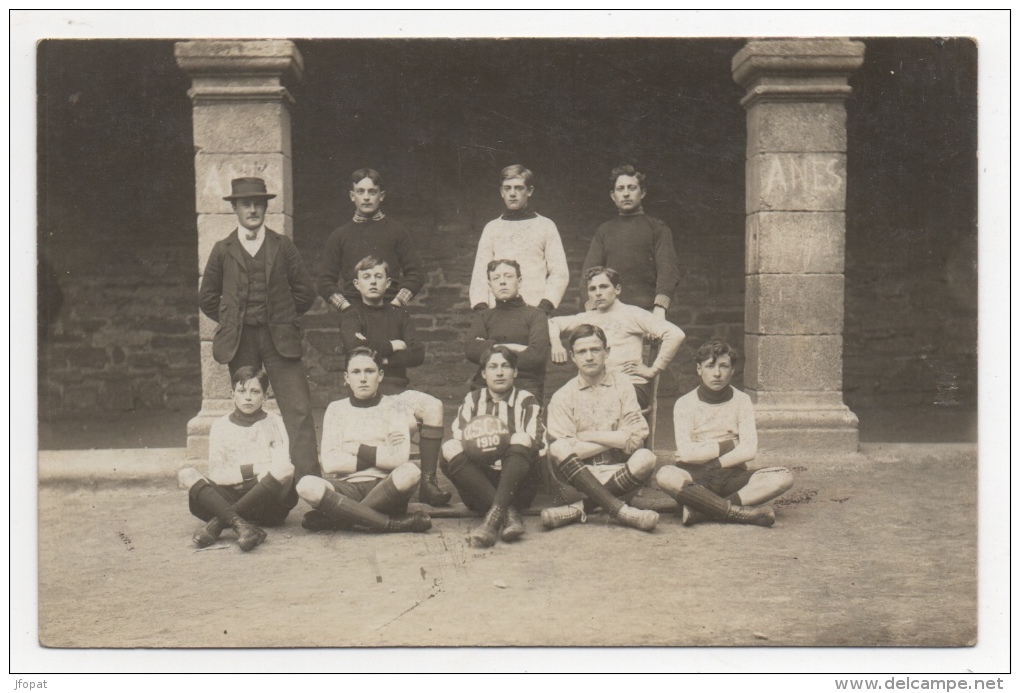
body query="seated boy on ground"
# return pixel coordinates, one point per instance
(715, 439)
(250, 473)
(498, 440)
(368, 476)
(597, 433)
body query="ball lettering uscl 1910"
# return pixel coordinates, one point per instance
(486, 438)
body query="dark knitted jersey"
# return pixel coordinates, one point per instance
(379, 326)
(640, 248)
(348, 245)
(513, 322)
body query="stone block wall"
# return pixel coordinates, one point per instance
(117, 216)
(127, 334)
(116, 223)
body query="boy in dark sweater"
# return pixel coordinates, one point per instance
(638, 246)
(520, 327)
(370, 232)
(384, 327)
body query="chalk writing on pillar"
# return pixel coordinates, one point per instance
(809, 175)
(218, 176)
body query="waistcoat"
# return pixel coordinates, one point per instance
(255, 312)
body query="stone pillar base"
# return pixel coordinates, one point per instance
(805, 424)
(198, 427)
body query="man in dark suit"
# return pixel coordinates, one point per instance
(255, 286)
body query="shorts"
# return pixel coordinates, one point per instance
(567, 494)
(724, 481)
(269, 514)
(357, 490)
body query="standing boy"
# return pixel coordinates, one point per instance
(626, 328)
(637, 245)
(529, 238)
(369, 232)
(511, 322)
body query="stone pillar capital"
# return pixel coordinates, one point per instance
(231, 71)
(796, 69)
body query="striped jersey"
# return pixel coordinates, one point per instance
(520, 411)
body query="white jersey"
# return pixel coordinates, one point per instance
(536, 246)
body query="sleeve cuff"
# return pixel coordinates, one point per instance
(663, 301)
(339, 302)
(404, 297)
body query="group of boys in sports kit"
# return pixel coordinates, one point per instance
(384, 442)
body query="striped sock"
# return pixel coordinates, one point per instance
(581, 477)
(623, 482)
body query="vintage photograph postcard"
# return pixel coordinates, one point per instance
(596, 339)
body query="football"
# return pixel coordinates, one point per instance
(486, 438)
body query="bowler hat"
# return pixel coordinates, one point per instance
(248, 187)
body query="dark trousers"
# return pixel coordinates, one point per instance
(290, 386)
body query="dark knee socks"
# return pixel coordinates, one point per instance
(385, 496)
(347, 511)
(623, 482)
(429, 444)
(699, 498)
(514, 470)
(473, 486)
(266, 491)
(582, 478)
(209, 498)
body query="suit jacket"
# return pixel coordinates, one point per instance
(224, 291)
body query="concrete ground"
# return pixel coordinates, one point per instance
(876, 549)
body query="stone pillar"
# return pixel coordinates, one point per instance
(796, 228)
(241, 119)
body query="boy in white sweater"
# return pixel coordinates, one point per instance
(368, 476)
(529, 238)
(250, 472)
(715, 439)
